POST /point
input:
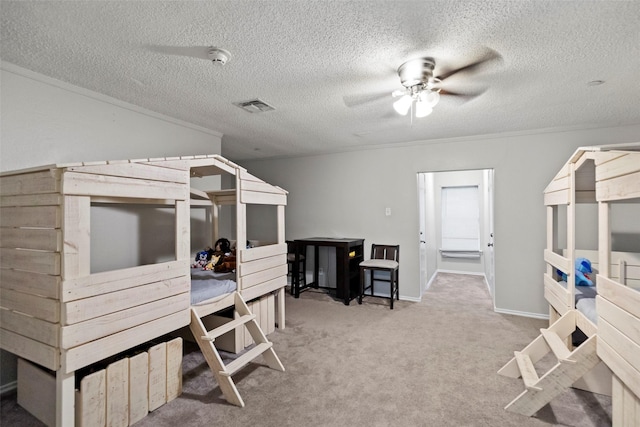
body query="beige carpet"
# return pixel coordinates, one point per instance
(432, 363)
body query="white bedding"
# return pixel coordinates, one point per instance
(207, 284)
(585, 297)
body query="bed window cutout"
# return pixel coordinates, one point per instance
(131, 235)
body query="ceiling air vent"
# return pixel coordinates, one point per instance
(255, 106)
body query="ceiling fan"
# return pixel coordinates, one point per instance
(422, 88)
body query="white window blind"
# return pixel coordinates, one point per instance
(460, 218)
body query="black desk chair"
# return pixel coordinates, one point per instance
(383, 258)
(302, 264)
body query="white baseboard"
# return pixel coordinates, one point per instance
(8, 387)
(471, 273)
(522, 313)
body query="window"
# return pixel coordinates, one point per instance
(460, 218)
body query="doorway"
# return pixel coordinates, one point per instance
(438, 254)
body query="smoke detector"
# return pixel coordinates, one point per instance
(218, 56)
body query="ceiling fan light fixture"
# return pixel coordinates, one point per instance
(429, 97)
(403, 105)
(423, 109)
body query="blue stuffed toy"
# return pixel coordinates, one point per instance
(583, 270)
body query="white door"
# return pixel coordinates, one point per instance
(489, 265)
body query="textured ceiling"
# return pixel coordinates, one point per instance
(317, 62)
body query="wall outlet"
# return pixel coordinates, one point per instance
(387, 211)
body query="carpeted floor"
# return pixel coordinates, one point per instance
(431, 363)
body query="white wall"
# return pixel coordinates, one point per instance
(45, 121)
(345, 195)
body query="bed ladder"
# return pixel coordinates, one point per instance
(222, 372)
(571, 365)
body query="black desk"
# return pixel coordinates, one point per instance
(349, 254)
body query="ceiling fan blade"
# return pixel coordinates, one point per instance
(490, 56)
(468, 95)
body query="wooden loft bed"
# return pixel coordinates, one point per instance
(61, 316)
(604, 175)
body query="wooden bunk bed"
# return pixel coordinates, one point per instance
(611, 318)
(60, 315)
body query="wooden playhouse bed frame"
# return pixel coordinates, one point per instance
(602, 175)
(59, 315)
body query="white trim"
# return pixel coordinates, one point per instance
(522, 313)
(8, 387)
(14, 69)
(470, 273)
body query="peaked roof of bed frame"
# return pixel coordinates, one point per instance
(585, 170)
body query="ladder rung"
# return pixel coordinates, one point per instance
(527, 370)
(247, 357)
(223, 329)
(556, 344)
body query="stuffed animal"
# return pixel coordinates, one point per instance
(202, 259)
(226, 265)
(583, 270)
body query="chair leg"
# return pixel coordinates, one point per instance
(391, 289)
(362, 271)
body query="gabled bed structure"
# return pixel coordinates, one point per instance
(609, 313)
(59, 314)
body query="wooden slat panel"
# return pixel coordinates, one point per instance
(585, 325)
(256, 198)
(31, 216)
(37, 261)
(89, 353)
(138, 387)
(43, 239)
(30, 283)
(37, 352)
(148, 171)
(622, 345)
(180, 165)
(556, 198)
(558, 261)
(260, 187)
(33, 305)
(76, 260)
(99, 327)
(625, 164)
(91, 402)
(82, 184)
(620, 188)
(252, 254)
(560, 293)
(36, 329)
(30, 183)
(174, 368)
(49, 199)
(622, 296)
(624, 324)
(558, 184)
(619, 366)
(251, 267)
(157, 376)
(111, 281)
(264, 288)
(118, 393)
(607, 156)
(555, 302)
(90, 308)
(250, 280)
